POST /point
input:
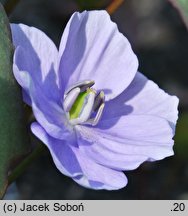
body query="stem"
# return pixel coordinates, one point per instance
(115, 4)
(25, 163)
(10, 5)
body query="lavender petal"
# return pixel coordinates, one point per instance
(73, 163)
(124, 143)
(37, 55)
(93, 48)
(143, 97)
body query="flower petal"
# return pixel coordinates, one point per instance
(124, 143)
(97, 176)
(23, 79)
(73, 163)
(143, 96)
(92, 48)
(36, 54)
(35, 69)
(49, 114)
(62, 154)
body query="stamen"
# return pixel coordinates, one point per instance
(99, 99)
(81, 102)
(95, 121)
(99, 115)
(70, 99)
(86, 110)
(83, 85)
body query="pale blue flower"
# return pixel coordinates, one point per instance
(96, 114)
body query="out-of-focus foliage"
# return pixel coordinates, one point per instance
(181, 138)
(2, 1)
(13, 138)
(182, 6)
(92, 4)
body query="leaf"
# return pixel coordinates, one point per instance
(181, 137)
(14, 141)
(182, 7)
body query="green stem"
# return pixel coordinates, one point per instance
(25, 163)
(10, 6)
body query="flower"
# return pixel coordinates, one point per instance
(94, 111)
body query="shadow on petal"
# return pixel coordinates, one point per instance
(71, 49)
(32, 58)
(117, 107)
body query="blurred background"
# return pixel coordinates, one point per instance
(160, 40)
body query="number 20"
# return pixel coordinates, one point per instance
(179, 207)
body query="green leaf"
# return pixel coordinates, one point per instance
(14, 141)
(182, 7)
(181, 137)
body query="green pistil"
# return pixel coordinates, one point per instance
(78, 104)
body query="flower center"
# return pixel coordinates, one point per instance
(83, 104)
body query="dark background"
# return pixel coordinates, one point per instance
(160, 40)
